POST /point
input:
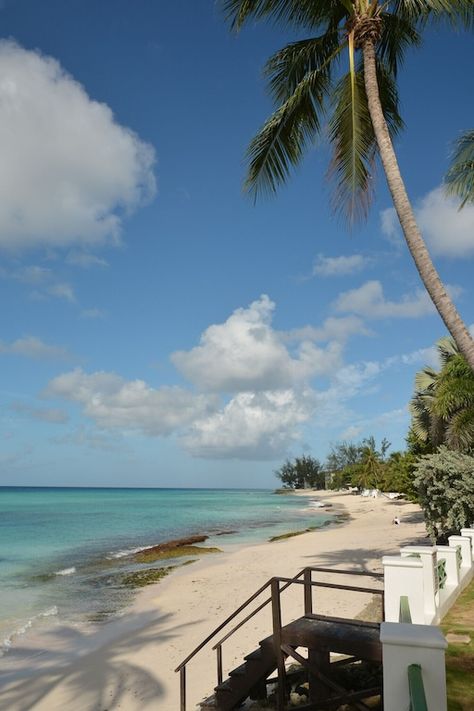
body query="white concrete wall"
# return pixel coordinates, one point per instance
(413, 574)
(403, 645)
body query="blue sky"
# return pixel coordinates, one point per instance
(158, 328)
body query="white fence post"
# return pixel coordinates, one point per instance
(403, 645)
(469, 533)
(403, 577)
(427, 555)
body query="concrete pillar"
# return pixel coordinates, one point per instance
(404, 645)
(403, 577)
(465, 545)
(427, 555)
(469, 533)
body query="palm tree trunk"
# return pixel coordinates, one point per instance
(415, 242)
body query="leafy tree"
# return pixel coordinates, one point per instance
(357, 464)
(399, 474)
(370, 469)
(303, 472)
(443, 404)
(459, 180)
(445, 482)
(362, 104)
(369, 472)
(342, 463)
(416, 446)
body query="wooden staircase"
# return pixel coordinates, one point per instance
(320, 635)
(245, 681)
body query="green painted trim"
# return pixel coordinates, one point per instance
(441, 574)
(405, 614)
(416, 688)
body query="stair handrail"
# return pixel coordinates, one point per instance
(247, 602)
(254, 612)
(275, 580)
(287, 585)
(222, 625)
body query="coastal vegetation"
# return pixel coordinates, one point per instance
(436, 469)
(445, 485)
(460, 177)
(361, 107)
(303, 472)
(442, 406)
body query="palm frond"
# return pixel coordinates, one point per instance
(288, 67)
(459, 180)
(425, 379)
(354, 146)
(281, 142)
(299, 13)
(447, 348)
(455, 12)
(398, 34)
(460, 430)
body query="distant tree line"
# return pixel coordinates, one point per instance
(437, 467)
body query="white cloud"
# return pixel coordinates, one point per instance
(62, 291)
(340, 266)
(252, 426)
(448, 231)
(91, 438)
(113, 402)
(390, 226)
(69, 171)
(334, 328)
(45, 282)
(258, 392)
(32, 347)
(85, 260)
(351, 432)
(42, 414)
(420, 356)
(31, 274)
(246, 354)
(369, 300)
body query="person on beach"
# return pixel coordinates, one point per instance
(396, 521)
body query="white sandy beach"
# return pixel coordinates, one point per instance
(130, 664)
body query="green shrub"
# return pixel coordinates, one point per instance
(445, 482)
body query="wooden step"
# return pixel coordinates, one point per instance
(245, 679)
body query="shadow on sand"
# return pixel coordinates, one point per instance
(97, 665)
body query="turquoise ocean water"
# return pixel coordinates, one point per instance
(63, 551)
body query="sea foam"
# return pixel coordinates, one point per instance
(127, 551)
(66, 571)
(8, 641)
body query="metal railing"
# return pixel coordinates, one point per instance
(275, 599)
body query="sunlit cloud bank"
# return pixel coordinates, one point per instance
(69, 172)
(448, 231)
(252, 388)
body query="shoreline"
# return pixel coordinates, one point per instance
(133, 659)
(73, 578)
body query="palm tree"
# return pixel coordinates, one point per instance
(442, 407)
(362, 105)
(460, 177)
